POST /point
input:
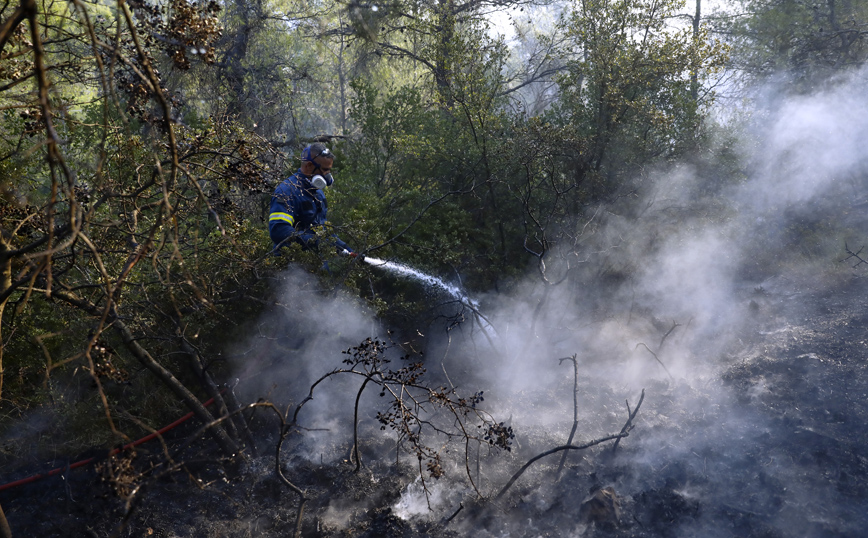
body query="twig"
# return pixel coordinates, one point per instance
(575, 409)
(302, 498)
(460, 508)
(657, 358)
(663, 340)
(129, 506)
(631, 415)
(854, 255)
(243, 424)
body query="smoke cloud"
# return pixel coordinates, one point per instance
(684, 316)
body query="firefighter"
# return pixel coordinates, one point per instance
(298, 204)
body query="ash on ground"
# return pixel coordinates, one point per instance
(770, 444)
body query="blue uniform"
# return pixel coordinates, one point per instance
(296, 208)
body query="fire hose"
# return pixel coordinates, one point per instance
(87, 461)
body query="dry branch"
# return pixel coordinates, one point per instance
(625, 431)
(355, 454)
(656, 358)
(665, 336)
(856, 255)
(575, 409)
(226, 444)
(302, 497)
(631, 416)
(554, 451)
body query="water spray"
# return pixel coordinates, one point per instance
(434, 282)
(428, 280)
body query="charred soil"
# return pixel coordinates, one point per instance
(772, 445)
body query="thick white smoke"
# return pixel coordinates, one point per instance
(688, 303)
(673, 323)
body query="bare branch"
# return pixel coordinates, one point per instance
(854, 255)
(625, 431)
(555, 450)
(655, 358)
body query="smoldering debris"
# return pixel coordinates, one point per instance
(602, 508)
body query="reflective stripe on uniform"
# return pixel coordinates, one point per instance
(282, 216)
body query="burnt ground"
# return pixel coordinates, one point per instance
(784, 452)
(771, 444)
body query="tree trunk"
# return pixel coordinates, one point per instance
(694, 77)
(445, 28)
(233, 60)
(342, 82)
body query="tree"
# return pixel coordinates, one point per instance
(420, 165)
(122, 228)
(430, 36)
(626, 103)
(807, 42)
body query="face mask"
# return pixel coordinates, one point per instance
(321, 182)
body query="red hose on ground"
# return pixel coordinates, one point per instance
(81, 463)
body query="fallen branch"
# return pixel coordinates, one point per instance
(625, 431)
(589, 444)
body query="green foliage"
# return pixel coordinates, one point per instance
(629, 97)
(418, 175)
(628, 101)
(126, 234)
(806, 42)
